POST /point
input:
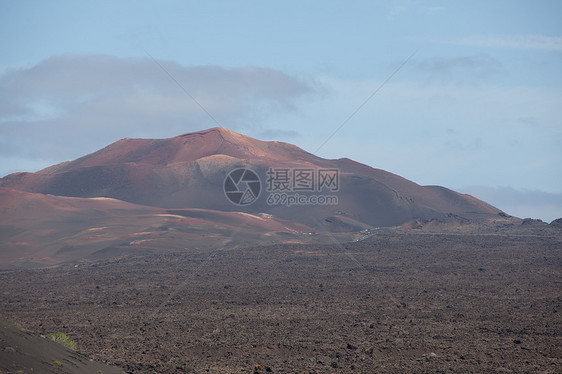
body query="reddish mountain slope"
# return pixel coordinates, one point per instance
(188, 171)
(39, 230)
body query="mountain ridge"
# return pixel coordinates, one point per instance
(187, 171)
(204, 143)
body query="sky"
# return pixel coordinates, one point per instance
(466, 95)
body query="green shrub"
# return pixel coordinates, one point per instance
(61, 338)
(57, 363)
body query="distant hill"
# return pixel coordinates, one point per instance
(188, 171)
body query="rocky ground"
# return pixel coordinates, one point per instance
(392, 303)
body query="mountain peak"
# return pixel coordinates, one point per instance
(221, 131)
(222, 141)
(188, 147)
(217, 136)
(224, 132)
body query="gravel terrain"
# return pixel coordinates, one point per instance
(392, 303)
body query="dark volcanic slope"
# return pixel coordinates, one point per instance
(188, 171)
(23, 352)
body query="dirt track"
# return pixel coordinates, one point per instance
(391, 303)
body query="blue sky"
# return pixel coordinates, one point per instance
(477, 108)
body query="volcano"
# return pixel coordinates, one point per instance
(207, 189)
(188, 171)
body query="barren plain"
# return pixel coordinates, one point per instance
(395, 302)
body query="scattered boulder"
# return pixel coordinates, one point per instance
(259, 369)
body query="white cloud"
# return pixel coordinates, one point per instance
(434, 9)
(397, 10)
(482, 65)
(68, 105)
(401, 7)
(397, 7)
(531, 41)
